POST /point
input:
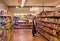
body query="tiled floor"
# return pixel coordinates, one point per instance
(25, 35)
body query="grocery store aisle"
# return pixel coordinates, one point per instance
(25, 35)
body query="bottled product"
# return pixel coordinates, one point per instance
(0, 19)
(1, 12)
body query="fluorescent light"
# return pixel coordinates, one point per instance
(57, 6)
(23, 2)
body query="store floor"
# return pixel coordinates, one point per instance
(25, 35)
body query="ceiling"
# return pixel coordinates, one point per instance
(50, 4)
(33, 2)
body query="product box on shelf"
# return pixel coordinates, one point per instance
(49, 30)
(0, 19)
(58, 21)
(57, 13)
(1, 12)
(58, 35)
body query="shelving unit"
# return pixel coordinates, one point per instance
(49, 25)
(5, 26)
(50, 16)
(22, 22)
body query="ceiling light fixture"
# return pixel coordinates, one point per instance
(17, 7)
(22, 3)
(57, 6)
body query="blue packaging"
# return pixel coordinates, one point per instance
(1, 12)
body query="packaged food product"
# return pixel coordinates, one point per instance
(58, 21)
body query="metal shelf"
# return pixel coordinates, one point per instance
(51, 27)
(51, 22)
(50, 17)
(50, 33)
(43, 36)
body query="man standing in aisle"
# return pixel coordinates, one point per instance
(34, 27)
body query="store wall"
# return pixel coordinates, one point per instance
(3, 5)
(20, 10)
(27, 9)
(18, 14)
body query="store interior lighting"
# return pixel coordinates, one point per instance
(17, 7)
(22, 3)
(57, 6)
